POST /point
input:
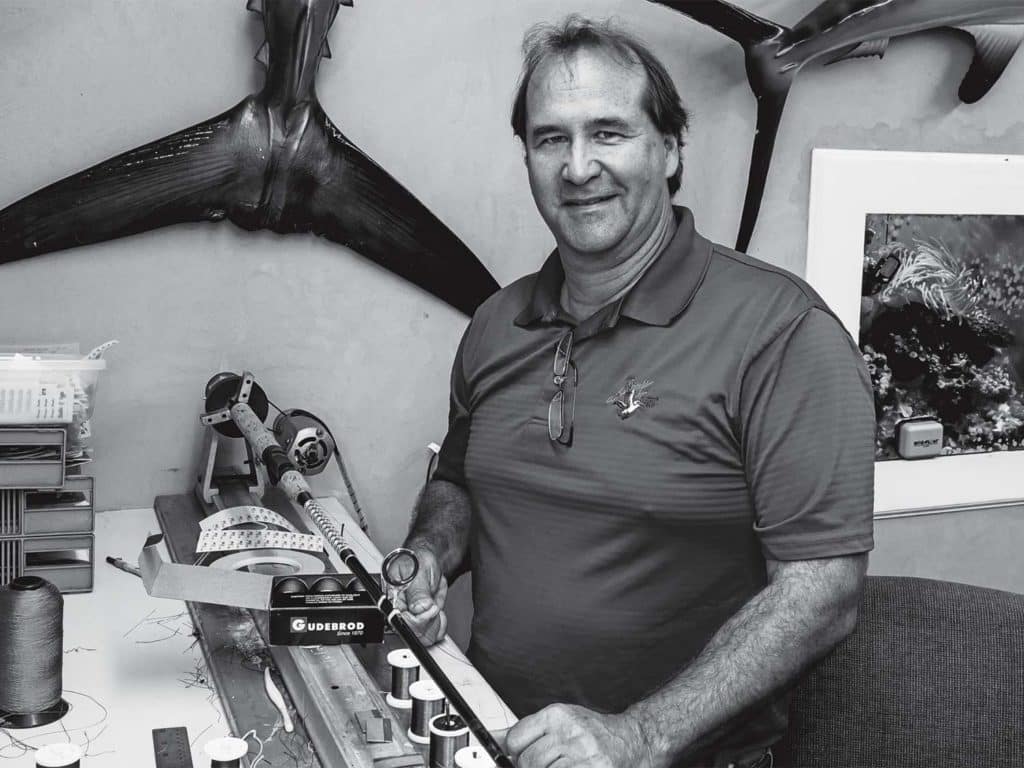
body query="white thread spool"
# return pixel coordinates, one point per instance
(405, 670)
(226, 752)
(427, 703)
(473, 757)
(58, 756)
(448, 734)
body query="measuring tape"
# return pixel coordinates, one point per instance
(235, 541)
(232, 516)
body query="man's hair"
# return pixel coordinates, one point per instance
(660, 101)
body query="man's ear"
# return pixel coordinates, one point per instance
(522, 147)
(672, 159)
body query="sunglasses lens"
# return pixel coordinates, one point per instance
(555, 425)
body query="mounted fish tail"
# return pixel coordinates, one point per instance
(761, 39)
(837, 30)
(273, 161)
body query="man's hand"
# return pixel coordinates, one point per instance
(567, 736)
(422, 602)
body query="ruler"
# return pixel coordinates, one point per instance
(171, 748)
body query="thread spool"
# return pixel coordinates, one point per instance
(473, 757)
(291, 586)
(58, 756)
(327, 585)
(427, 703)
(226, 752)
(31, 653)
(448, 734)
(405, 670)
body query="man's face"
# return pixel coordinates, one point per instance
(597, 163)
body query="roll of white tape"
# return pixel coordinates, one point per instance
(270, 561)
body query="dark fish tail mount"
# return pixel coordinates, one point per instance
(274, 161)
(837, 30)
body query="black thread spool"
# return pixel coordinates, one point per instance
(290, 586)
(328, 585)
(31, 653)
(405, 670)
(448, 734)
(427, 703)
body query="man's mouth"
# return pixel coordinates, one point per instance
(582, 202)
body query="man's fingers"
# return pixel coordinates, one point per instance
(442, 592)
(420, 621)
(421, 605)
(432, 609)
(430, 632)
(523, 734)
(539, 754)
(418, 597)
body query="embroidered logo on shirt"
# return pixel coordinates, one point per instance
(632, 397)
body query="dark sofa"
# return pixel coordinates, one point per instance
(933, 676)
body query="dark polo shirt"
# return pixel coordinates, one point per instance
(601, 568)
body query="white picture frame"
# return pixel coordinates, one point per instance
(846, 185)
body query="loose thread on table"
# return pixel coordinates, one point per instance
(23, 746)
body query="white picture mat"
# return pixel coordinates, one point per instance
(846, 185)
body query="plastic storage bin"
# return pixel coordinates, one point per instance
(50, 390)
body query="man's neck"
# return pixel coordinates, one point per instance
(592, 283)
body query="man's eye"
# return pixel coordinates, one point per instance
(548, 141)
(607, 135)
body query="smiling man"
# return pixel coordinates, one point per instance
(660, 451)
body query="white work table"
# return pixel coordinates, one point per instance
(131, 665)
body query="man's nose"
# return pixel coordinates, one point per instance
(580, 166)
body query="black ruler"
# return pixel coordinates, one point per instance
(171, 749)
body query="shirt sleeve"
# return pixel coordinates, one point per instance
(808, 424)
(452, 458)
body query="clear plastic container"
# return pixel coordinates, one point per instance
(50, 389)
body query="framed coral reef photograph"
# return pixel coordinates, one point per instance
(921, 256)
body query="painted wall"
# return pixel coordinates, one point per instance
(424, 88)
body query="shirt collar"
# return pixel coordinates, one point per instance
(660, 295)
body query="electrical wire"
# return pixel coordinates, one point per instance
(259, 755)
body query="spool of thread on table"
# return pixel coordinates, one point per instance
(448, 734)
(226, 752)
(31, 653)
(473, 757)
(427, 703)
(58, 756)
(405, 670)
